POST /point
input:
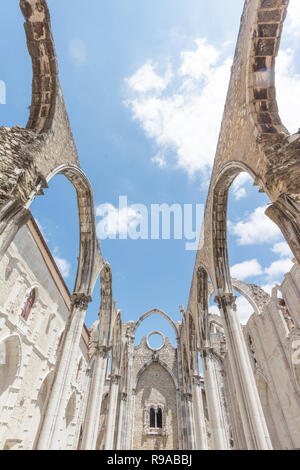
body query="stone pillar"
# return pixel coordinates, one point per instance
(255, 428)
(188, 400)
(127, 435)
(123, 404)
(180, 401)
(12, 217)
(214, 401)
(90, 432)
(52, 426)
(200, 428)
(112, 412)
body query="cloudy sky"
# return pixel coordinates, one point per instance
(145, 86)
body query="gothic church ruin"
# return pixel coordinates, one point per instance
(63, 386)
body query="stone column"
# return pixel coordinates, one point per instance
(123, 404)
(52, 427)
(188, 400)
(214, 401)
(180, 401)
(200, 428)
(90, 432)
(12, 217)
(112, 412)
(255, 428)
(129, 410)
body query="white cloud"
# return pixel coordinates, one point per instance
(197, 64)
(116, 221)
(239, 191)
(247, 269)
(213, 309)
(269, 287)
(244, 310)
(184, 120)
(292, 25)
(160, 160)
(288, 89)
(279, 267)
(78, 52)
(63, 265)
(146, 79)
(257, 228)
(283, 250)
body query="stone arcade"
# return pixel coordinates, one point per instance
(64, 387)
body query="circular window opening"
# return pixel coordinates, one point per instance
(155, 340)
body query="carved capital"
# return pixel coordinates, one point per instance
(103, 351)
(114, 379)
(226, 300)
(188, 397)
(80, 301)
(197, 380)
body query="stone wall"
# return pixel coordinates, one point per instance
(29, 349)
(155, 386)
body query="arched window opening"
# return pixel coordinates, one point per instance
(152, 418)
(158, 323)
(29, 305)
(156, 418)
(258, 253)
(159, 418)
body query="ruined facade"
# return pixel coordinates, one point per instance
(63, 387)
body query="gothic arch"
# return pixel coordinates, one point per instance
(266, 399)
(159, 312)
(255, 295)
(44, 64)
(222, 279)
(90, 258)
(265, 42)
(41, 405)
(163, 364)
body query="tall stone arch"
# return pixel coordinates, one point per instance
(158, 312)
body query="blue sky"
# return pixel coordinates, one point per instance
(145, 84)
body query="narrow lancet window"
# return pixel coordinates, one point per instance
(152, 418)
(159, 418)
(28, 306)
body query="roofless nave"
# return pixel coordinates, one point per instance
(63, 387)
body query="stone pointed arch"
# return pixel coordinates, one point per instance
(156, 361)
(41, 406)
(221, 273)
(254, 294)
(90, 258)
(158, 312)
(44, 64)
(265, 41)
